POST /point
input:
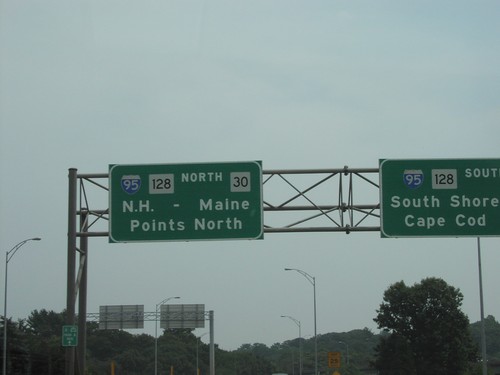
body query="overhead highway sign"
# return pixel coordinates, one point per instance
(175, 202)
(440, 198)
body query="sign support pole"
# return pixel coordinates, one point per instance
(212, 345)
(70, 296)
(481, 302)
(82, 296)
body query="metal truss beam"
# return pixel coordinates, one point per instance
(295, 200)
(146, 316)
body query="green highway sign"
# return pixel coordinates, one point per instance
(181, 202)
(69, 335)
(440, 198)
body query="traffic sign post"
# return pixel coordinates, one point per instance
(180, 202)
(70, 335)
(334, 359)
(440, 198)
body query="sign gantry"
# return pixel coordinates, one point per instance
(293, 200)
(205, 201)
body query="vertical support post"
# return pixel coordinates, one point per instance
(315, 330)
(481, 302)
(212, 346)
(5, 320)
(70, 296)
(82, 296)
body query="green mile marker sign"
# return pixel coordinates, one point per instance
(440, 198)
(69, 336)
(182, 202)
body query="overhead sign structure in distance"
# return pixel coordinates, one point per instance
(440, 198)
(182, 202)
(121, 317)
(182, 316)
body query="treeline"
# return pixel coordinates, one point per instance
(34, 347)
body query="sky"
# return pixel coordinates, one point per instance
(294, 84)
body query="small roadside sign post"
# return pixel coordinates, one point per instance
(440, 198)
(69, 335)
(334, 360)
(183, 202)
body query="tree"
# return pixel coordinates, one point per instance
(492, 329)
(17, 352)
(43, 331)
(394, 356)
(426, 317)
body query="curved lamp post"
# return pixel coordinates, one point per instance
(8, 256)
(300, 340)
(312, 280)
(156, 329)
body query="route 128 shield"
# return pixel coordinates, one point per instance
(131, 184)
(413, 178)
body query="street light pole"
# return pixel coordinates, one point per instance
(198, 339)
(8, 256)
(312, 280)
(300, 340)
(156, 329)
(347, 351)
